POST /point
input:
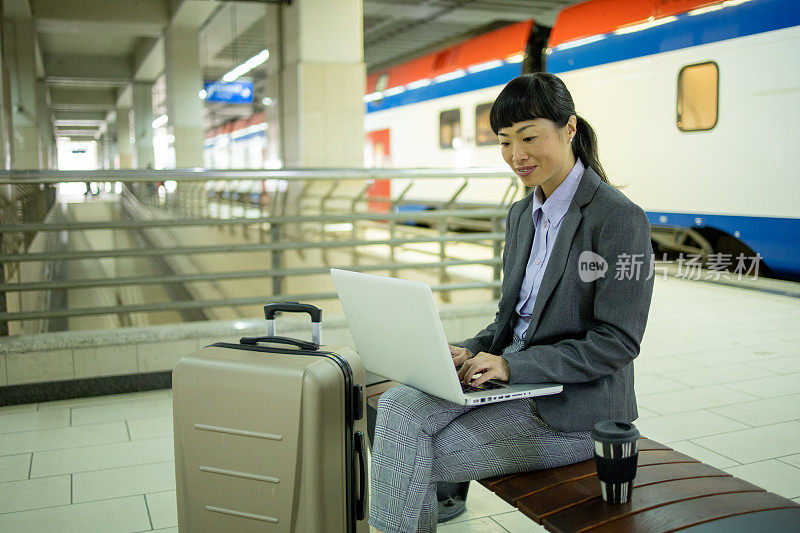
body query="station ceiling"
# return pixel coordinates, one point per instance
(89, 52)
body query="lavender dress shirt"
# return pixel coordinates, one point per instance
(547, 217)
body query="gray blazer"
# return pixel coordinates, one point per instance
(583, 334)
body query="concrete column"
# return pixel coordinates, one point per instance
(184, 80)
(19, 41)
(124, 146)
(6, 133)
(143, 124)
(323, 79)
(47, 136)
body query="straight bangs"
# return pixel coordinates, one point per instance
(524, 98)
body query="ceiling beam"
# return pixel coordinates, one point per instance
(98, 68)
(123, 17)
(79, 115)
(71, 98)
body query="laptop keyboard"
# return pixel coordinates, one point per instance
(488, 385)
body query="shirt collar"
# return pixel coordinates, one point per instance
(556, 205)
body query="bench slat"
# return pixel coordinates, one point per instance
(695, 511)
(644, 444)
(554, 499)
(596, 512)
(512, 488)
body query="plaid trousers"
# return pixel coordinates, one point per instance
(421, 439)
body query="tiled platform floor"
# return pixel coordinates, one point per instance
(718, 378)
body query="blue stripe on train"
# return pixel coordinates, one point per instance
(469, 82)
(749, 18)
(776, 239)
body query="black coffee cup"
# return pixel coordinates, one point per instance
(616, 454)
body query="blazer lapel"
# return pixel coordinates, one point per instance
(523, 242)
(590, 181)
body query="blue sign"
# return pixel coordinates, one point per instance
(235, 92)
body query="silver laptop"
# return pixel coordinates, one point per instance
(399, 336)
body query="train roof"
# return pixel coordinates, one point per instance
(503, 43)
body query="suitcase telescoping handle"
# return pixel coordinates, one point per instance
(294, 307)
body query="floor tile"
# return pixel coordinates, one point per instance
(728, 356)
(770, 387)
(33, 420)
(15, 467)
(684, 426)
(121, 411)
(122, 515)
(763, 412)
(702, 454)
(54, 439)
(163, 509)
(714, 375)
(150, 428)
(692, 399)
(793, 460)
(166, 530)
(516, 522)
(107, 399)
(102, 457)
(34, 493)
(478, 525)
(756, 444)
(126, 481)
(791, 334)
(646, 413)
(773, 475)
(22, 408)
(660, 365)
(653, 383)
(780, 365)
(481, 502)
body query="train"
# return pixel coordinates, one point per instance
(694, 103)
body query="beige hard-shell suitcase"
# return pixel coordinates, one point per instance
(270, 435)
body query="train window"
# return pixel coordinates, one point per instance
(698, 97)
(449, 128)
(483, 130)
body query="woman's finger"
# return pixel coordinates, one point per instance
(477, 366)
(492, 373)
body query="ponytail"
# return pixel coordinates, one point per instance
(584, 146)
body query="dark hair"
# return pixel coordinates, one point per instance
(544, 95)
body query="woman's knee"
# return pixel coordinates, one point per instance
(401, 396)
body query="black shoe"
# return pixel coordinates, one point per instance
(451, 508)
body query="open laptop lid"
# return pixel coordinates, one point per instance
(397, 331)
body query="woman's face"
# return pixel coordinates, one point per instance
(538, 152)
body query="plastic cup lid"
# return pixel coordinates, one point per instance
(610, 430)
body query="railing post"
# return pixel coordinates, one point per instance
(393, 222)
(3, 304)
(354, 231)
(322, 211)
(277, 259)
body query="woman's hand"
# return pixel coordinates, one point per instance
(490, 366)
(459, 355)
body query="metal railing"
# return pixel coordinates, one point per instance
(279, 212)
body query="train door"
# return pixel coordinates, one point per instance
(378, 146)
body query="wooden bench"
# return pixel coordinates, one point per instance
(673, 491)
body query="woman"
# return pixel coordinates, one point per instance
(561, 318)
